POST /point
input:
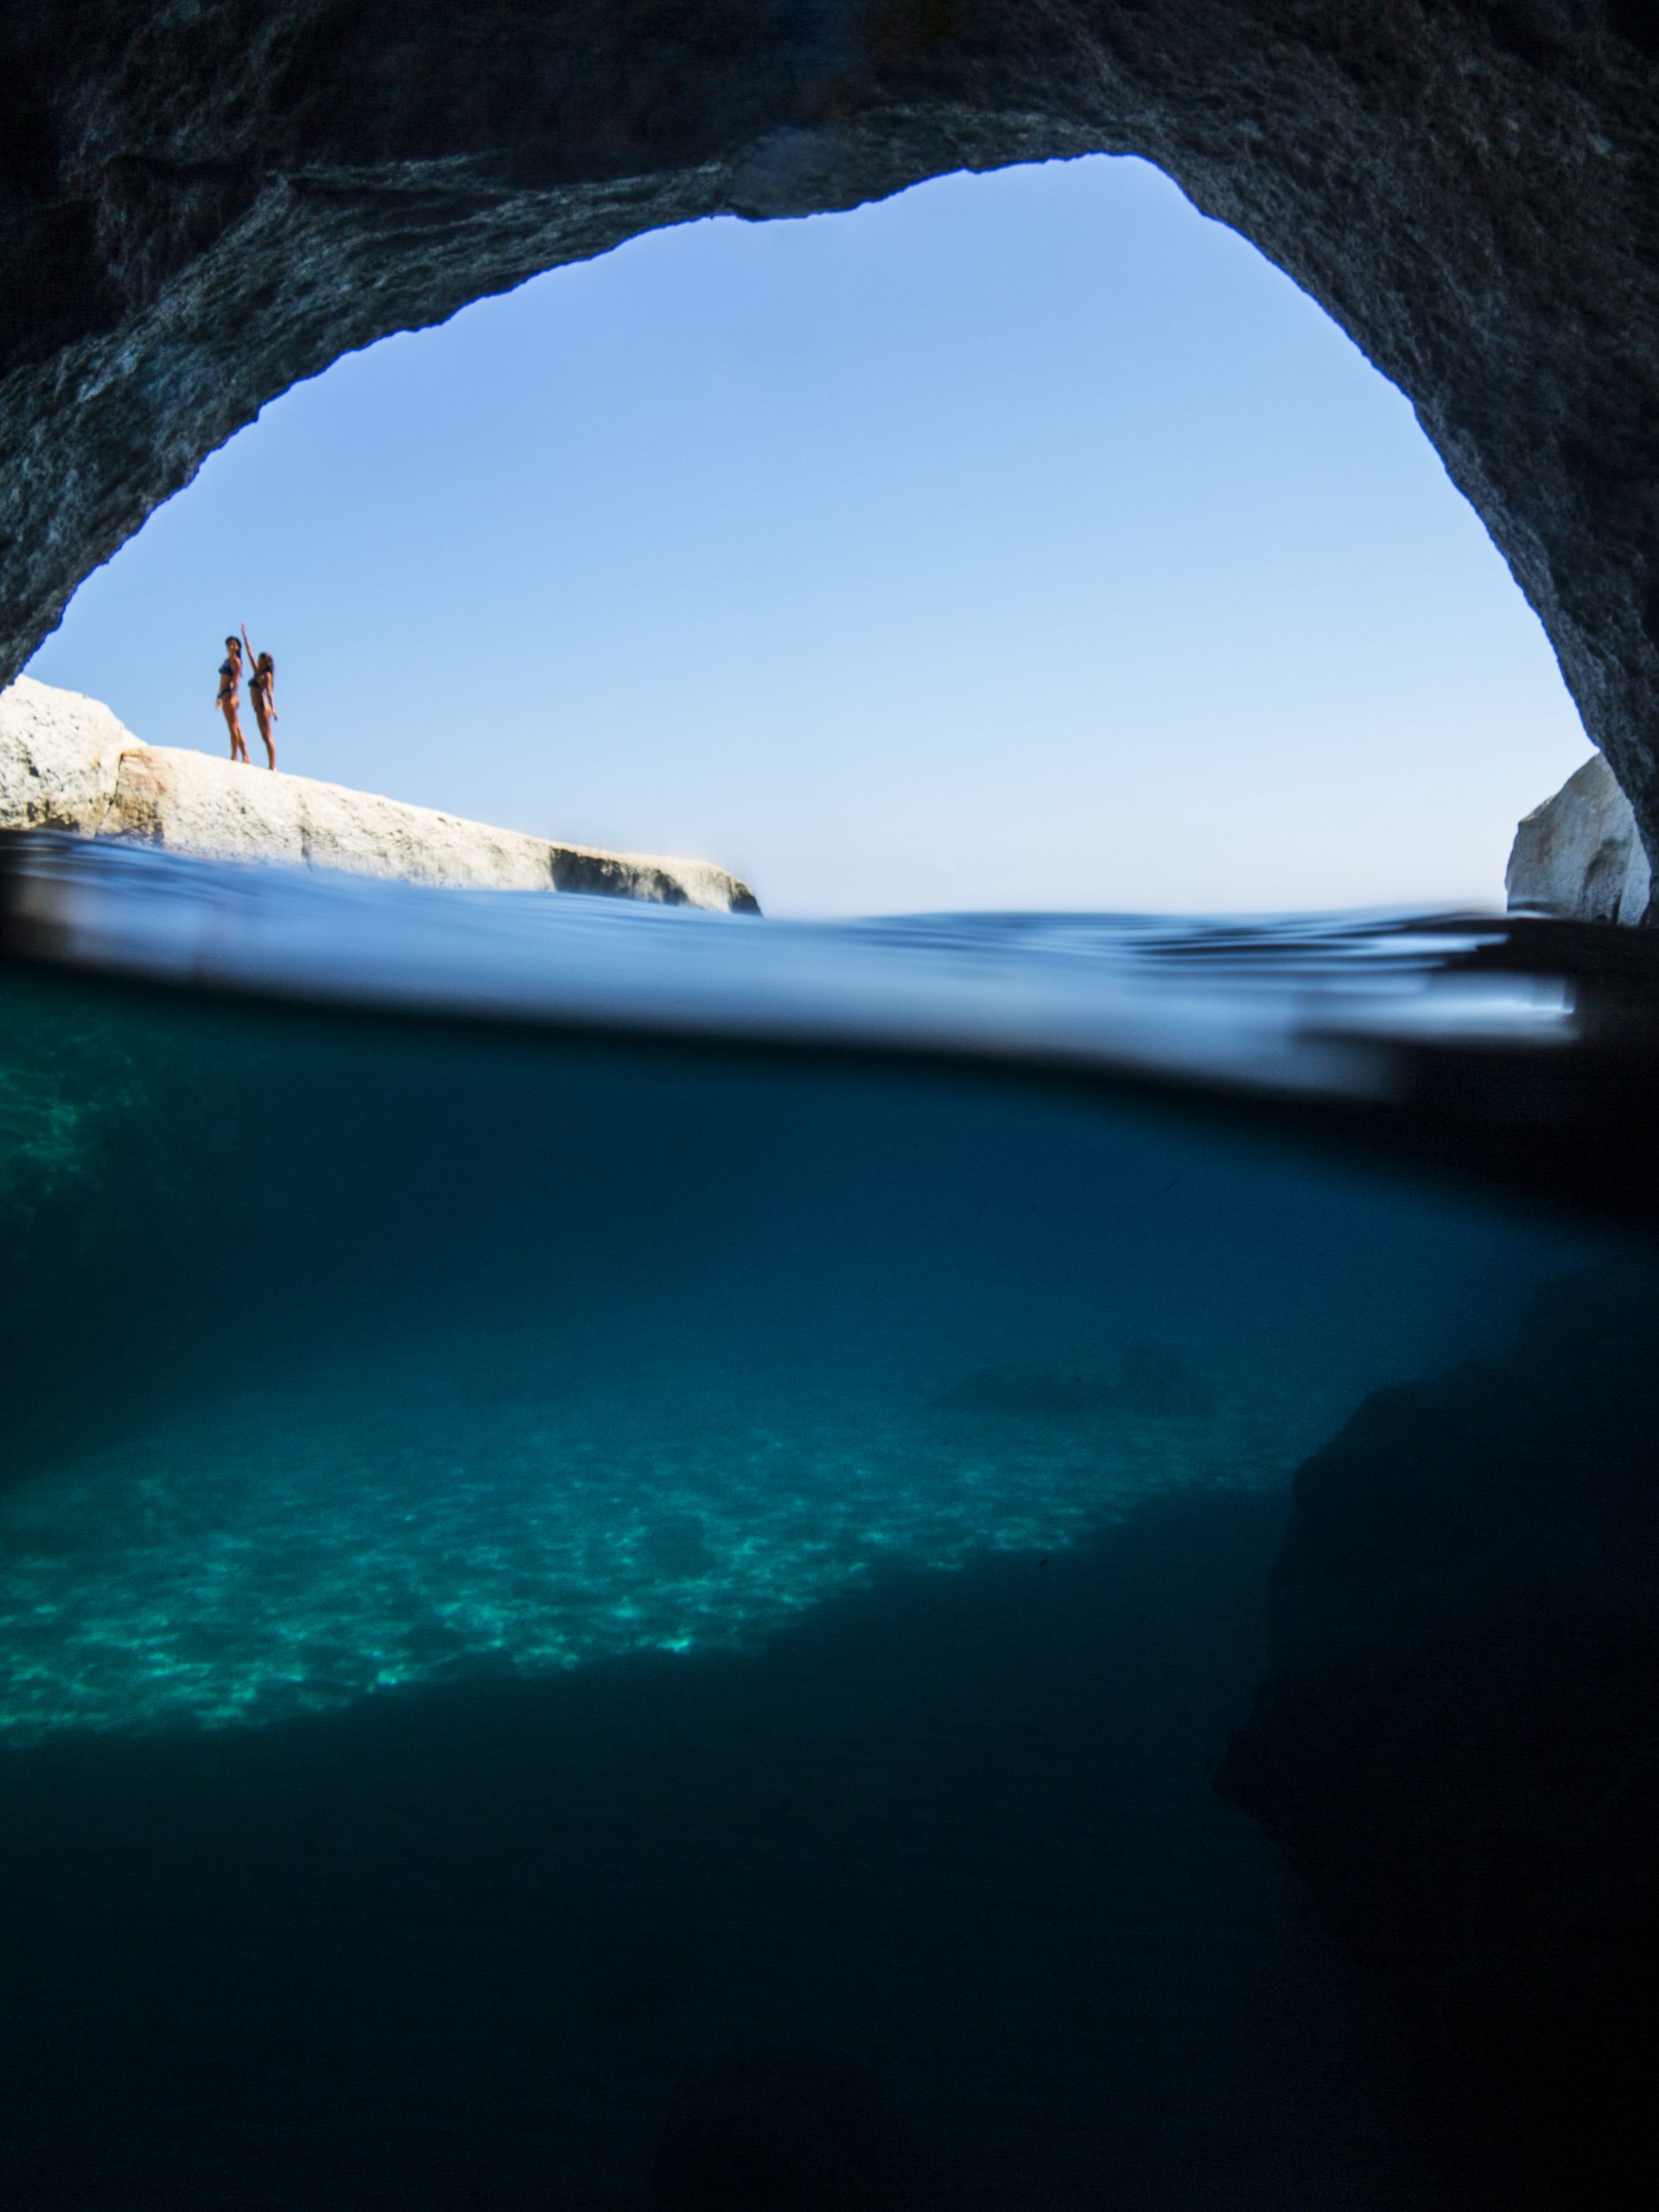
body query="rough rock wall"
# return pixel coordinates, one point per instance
(1455, 1745)
(201, 203)
(66, 763)
(1579, 854)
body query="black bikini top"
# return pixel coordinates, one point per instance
(225, 669)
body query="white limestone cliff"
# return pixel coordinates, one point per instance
(66, 763)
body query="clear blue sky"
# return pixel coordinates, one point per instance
(1025, 541)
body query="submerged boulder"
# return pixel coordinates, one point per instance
(1455, 1745)
(66, 763)
(783, 2131)
(1579, 854)
(1140, 1381)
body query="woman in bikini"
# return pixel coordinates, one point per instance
(230, 681)
(262, 691)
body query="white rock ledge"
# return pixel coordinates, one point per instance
(66, 763)
(1578, 854)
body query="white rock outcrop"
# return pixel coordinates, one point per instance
(66, 763)
(60, 757)
(1578, 854)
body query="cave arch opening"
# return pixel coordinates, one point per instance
(1020, 540)
(203, 209)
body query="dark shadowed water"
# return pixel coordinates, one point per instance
(627, 1538)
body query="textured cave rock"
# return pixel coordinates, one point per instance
(1455, 1745)
(203, 201)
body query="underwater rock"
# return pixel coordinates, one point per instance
(782, 2131)
(203, 205)
(1455, 1742)
(1151, 1381)
(1578, 854)
(67, 762)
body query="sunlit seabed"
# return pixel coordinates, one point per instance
(276, 1556)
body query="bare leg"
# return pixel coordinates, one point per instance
(263, 721)
(233, 723)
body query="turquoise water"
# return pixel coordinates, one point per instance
(583, 1524)
(380, 1353)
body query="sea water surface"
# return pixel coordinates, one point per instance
(626, 1536)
